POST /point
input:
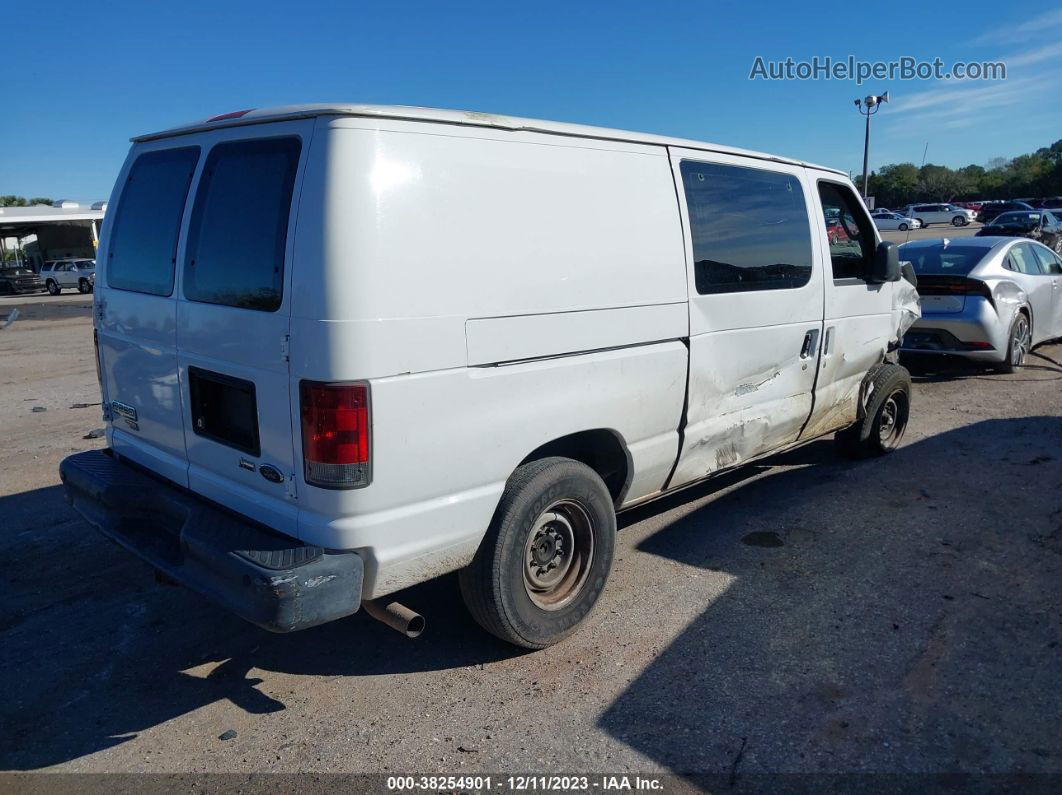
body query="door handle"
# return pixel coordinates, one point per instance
(810, 342)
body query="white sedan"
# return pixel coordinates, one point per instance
(895, 221)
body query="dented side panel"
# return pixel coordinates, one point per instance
(753, 353)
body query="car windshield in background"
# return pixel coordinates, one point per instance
(1017, 218)
(950, 260)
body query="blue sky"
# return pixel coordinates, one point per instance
(81, 78)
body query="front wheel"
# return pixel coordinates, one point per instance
(83, 286)
(53, 288)
(546, 556)
(904, 227)
(882, 427)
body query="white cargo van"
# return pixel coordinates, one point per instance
(344, 349)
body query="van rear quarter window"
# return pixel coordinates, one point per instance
(239, 227)
(143, 244)
(749, 228)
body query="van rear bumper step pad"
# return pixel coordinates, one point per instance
(267, 578)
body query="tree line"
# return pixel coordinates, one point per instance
(11, 200)
(1035, 175)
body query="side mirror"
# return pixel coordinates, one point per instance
(886, 264)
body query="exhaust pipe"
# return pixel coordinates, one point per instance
(396, 616)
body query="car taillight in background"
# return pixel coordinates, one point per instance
(336, 434)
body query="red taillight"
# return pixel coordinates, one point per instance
(336, 434)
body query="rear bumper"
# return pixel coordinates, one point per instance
(269, 579)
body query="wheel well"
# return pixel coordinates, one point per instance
(1027, 311)
(600, 449)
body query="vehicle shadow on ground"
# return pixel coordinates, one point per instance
(94, 650)
(827, 629)
(936, 369)
(844, 641)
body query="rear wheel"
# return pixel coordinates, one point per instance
(546, 557)
(903, 227)
(1018, 345)
(83, 286)
(53, 288)
(882, 427)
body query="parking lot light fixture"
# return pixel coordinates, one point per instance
(868, 106)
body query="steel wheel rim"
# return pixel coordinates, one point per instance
(892, 420)
(1020, 345)
(558, 554)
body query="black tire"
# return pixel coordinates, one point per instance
(881, 429)
(958, 220)
(53, 288)
(83, 286)
(1019, 343)
(904, 227)
(495, 586)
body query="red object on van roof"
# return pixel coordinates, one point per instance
(234, 115)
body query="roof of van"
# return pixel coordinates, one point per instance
(467, 118)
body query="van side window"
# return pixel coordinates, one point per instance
(239, 227)
(143, 243)
(849, 231)
(749, 228)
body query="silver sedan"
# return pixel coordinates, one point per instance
(990, 299)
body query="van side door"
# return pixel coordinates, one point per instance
(859, 321)
(755, 303)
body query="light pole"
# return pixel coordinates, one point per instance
(868, 107)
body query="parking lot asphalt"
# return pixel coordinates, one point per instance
(805, 614)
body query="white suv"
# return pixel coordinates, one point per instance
(346, 349)
(940, 214)
(61, 273)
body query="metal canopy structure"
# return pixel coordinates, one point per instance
(59, 231)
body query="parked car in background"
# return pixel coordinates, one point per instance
(1052, 203)
(939, 214)
(1041, 225)
(990, 211)
(895, 221)
(289, 400)
(989, 299)
(19, 280)
(63, 273)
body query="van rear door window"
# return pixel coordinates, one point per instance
(143, 242)
(749, 228)
(239, 227)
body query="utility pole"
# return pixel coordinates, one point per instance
(868, 107)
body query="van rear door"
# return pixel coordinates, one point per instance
(136, 307)
(233, 314)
